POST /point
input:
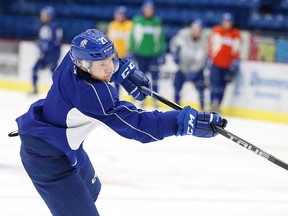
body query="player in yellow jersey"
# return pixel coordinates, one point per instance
(119, 31)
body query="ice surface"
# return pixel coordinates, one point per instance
(179, 176)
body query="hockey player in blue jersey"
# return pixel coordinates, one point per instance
(49, 44)
(81, 98)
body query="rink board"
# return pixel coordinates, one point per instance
(259, 92)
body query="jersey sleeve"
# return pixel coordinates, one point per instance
(178, 40)
(124, 118)
(135, 23)
(162, 38)
(214, 42)
(236, 44)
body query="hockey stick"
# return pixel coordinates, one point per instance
(221, 131)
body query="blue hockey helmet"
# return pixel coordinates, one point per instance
(198, 22)
(227, 17)
(49, 11)
(147, 3)
(121, 10)
(92, 45)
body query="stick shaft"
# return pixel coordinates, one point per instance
(221, 131)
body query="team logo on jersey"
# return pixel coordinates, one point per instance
(103, 40)
(83, 43)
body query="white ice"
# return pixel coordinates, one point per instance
(179, 176)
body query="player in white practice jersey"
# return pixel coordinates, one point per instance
(189, 49)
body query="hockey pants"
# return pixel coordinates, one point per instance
(65, 189)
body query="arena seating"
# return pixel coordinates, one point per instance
(20, 19)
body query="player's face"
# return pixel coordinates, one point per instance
(227, 24)
(44, 17)
(196, 31)
(148, 12)
(103, 70)
(119, 17)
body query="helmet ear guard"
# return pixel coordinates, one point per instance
(49, 11)
(86, 65)
(82, 64)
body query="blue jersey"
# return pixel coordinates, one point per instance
(50, 39)
(76, 104)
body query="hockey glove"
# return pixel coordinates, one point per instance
(235, 65)
(199, 124)
(131, 79)
(176, 57)
(161, 59)
(233, 70)
(208, 62)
